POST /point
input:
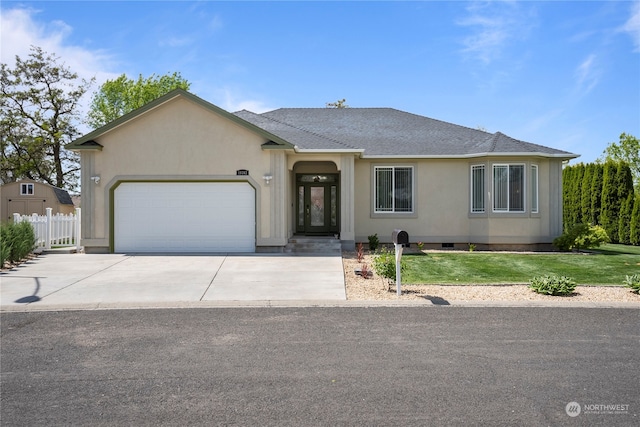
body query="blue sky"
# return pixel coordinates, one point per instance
(561, 74)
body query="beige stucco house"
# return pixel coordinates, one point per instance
(182, 175)
(27, 197)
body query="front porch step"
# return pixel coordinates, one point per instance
(314, 245)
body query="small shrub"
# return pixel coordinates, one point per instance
(26, 240)
(384, 264)
(365, 271)
(5, 244)
(360, 252)
(374, 242)
(420, 245)
(472, 247)
(581, 236)
(16, 241)
(553, 285)
(633, 282)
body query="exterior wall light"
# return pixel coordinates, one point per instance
(96, 179)
(267, 178)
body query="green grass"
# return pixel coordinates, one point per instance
(608, 266)
(609, 249)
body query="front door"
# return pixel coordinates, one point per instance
(317, 204)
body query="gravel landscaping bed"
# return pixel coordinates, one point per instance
(377, 288)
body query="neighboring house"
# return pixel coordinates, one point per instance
(182, 175)
(27, 197)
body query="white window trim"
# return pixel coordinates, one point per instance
(484, 198)
(524, 189)
(413, 190)
(27, 189)
(535, 195)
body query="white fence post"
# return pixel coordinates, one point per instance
(39, 227)
(48, 229)
(78, 228)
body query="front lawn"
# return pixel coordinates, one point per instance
(606, 267)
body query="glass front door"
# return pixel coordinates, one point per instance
(317, 204)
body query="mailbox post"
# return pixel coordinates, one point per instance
(399, 238)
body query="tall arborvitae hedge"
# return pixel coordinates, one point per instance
(567, 182)
(625, 180)
(603, 195)
(596, 193)
(624, 221)
(585, 197)
(634, 229)
(575, 195)
(626, 195)
(610, 203)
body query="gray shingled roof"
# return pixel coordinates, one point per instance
(62, 196)
(386, 132)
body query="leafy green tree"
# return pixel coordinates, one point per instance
(123, 95)
(626, 150)
(39, 110)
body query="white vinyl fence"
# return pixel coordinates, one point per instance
(54, 230)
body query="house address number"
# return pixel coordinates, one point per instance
(242, 172)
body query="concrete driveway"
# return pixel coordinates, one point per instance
(117, 280)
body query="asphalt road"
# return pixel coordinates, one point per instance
(321, 367)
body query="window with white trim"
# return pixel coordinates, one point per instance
(393, 187)
(477, 189)
(26, 189)
(508, 188)
(534, 188)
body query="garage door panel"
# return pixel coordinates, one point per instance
(184, 217)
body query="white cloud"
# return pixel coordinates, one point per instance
(587, 74)
(494, 25)
(535, 124)
(232, 100)
(632, 26)
(19, 30)
(216, 23)
(176, 42)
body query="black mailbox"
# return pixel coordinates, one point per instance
(400, 237)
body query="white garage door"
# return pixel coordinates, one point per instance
(184, 217)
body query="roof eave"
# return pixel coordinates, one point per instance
(89, 145)
(566, 156)
(328, 151)
(273, 145)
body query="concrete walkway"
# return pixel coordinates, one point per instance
(116, 280)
